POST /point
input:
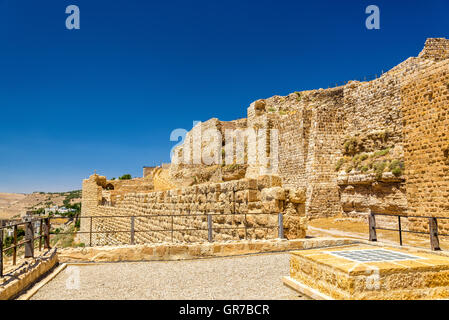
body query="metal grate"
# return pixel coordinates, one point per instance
(372, 255)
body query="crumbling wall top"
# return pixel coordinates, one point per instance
(435, 49)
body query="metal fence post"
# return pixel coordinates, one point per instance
(29, 237)
(40, 234)
(209, 228)
(47, 227)
(246, 228)
(90, 233)
(172, 227)
(400, 230)
(132, 230)
(14, 250)
(280, 226)
(433, 231)
(372, 227)
(1, 251)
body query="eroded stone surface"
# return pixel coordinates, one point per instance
(421, 276)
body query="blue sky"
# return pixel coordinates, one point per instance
(107, 96)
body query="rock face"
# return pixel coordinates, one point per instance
(379, 146)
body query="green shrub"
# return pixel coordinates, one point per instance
(396, 164)
(396, 167)
(351, 146)
(381, 153)
(379, 168)
(364, 169)
(356, 161)
(125, 177)
(339, 164)
(397, 171)
(364, 156)
(271, 109)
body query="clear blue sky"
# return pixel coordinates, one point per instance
(107, 96)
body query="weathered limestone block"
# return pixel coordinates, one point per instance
(272, 206)
(295, 226)
(246, 184)
(295, 209)
(268, 181)
(241, 196)
(254, 195)
(276, 193)
(297, 195)
(255, 207)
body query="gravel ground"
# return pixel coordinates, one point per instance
(247, 277)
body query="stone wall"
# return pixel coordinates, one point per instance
(25, 275)
(436, 49)
(425, 104)
(255, 203)
(403, 113)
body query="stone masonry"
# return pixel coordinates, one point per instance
(378, 146)
(254, 203)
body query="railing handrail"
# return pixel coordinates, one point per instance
(406, 216)
(30, 237)
(433, 228)
(29, 241)
(38, 218)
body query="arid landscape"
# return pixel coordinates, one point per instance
(14, 204)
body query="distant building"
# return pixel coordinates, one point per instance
(56, 209)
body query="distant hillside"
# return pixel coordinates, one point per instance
(14, 204)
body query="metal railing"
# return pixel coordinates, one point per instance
(210, 228)
(433, 228)
(30, 237)
(45, 229)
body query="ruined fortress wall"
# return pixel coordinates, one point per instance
(148, 171)
(436, 49)
(248, 197)
(425, 105)
(91, 197)
(293, 141)
(312, 138)
(407, 103)
(324, 148)
(374, 106)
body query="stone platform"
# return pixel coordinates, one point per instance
(365, 272)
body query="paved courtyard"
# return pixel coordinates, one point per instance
(246, 277)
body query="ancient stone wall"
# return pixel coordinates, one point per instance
(148, 171)
(345, 148)
(436, 49)
(425, 105)
(250, 202)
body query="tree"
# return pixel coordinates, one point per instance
(125, 177)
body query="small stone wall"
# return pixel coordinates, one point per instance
(255, 203)
(166, 251)
(26, 274)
